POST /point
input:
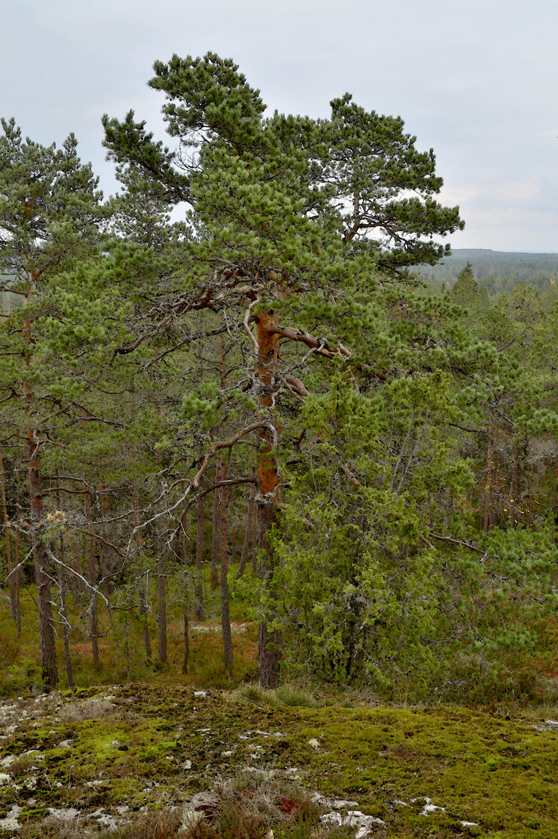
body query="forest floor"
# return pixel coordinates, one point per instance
(87, 762)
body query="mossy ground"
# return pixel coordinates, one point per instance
(155, 746)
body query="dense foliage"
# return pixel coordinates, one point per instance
(264, 380)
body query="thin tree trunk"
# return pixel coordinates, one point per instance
(92, 578)
(16, 574)
(162, 599)
(232, 528)
(186, 642)
(254, 543)
(14, 578)
(104, 551)
(215, 532)
(223, 544)
(186, 605)
(64, 614)
(217, 506)
(514, 488)
(143, 583)
(74, 584)
(127, 646)
(200, 521)
(486, 522)
(269, 641)
(42, 578)
(248, 530)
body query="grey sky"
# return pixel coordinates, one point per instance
(477, 80)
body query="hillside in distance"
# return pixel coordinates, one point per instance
(497, 271)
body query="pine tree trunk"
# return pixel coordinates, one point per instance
(249, 529)
(269, 641)
(92, 579)
(223, 544)
(200, 521)
(185, 614)
(215, 532)
(162, 599)
(42, 578)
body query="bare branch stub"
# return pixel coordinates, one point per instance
(321, 345)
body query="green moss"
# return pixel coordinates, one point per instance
(481, 768)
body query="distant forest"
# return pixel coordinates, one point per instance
(496, 271)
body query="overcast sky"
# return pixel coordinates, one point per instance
(476, 80)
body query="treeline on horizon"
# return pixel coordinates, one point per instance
(499, 272)
(258, 410)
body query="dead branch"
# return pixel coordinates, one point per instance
(100, 539)
(450, 540)
(246, 326)
(321, 345)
